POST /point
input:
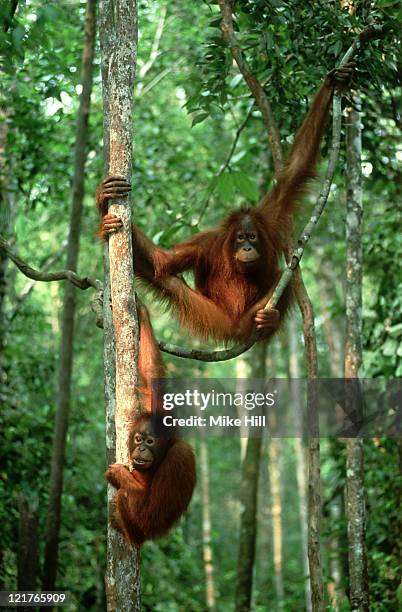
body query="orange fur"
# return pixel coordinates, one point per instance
(224, 302)
(150, 366)
(147, 504)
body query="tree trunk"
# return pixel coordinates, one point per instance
(27, 549)
(355, 493)
(118, 36)
(241, 386)
(67, 331)
(4, 223)
(248, 497)
(333, 338)
(8, 207)
(274, 452)
(206, 527)
(301, 464)
(314, 479)
(334, 585)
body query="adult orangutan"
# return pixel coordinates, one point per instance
(235, 265)
(155, 493)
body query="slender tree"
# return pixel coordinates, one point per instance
(8, 19)
(241, 386)
(118, 36)
(206, 527)
(301, 463)
(67, 327)
(7, 208)
(27, 546)
(7, 198)
(314, 457)
(274, 458)
(355, 492)
(248, 497)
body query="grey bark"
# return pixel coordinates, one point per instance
(355, 492)
(67, 328)
(314, 471)
(118, 37)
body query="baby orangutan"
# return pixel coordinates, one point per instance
(158, 490)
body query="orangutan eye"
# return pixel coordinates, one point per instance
(240, 236)
(252, 237)
(150, 441)
(138, 438)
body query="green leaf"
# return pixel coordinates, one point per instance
(246, 186)
(238, 78)
(226, 187)
(199, 118)
(390, 347)
(395, 331)
(165, 236)
(269, 40)
(337, 47)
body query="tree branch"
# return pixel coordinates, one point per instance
(26, 291)
(253, 84)
(9, 18)
(201, 355)
(81, 282)
(146, 67)
(153, 82)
